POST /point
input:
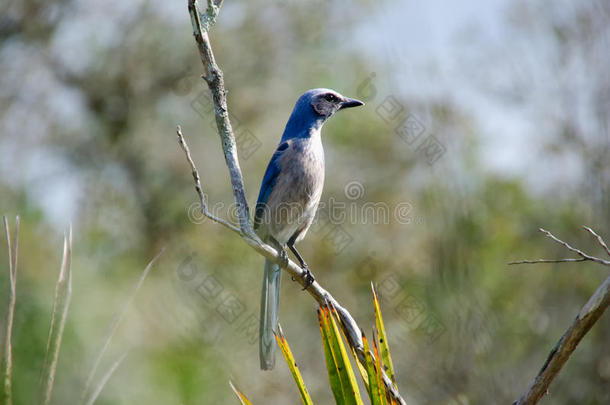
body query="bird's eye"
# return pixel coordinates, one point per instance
(330, 97)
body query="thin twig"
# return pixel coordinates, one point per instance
(577, 251)
(105, 378)
(583, 255)
(114, 324)
(214, 79)
(63, 293)
(588, 315)
(599, 239)
(202, 199)
(570, 260)
(7, 358)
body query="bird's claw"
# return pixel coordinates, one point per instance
(308, 277)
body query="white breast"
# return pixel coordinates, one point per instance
(300, 185)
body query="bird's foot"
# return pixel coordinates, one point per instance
(307, 276)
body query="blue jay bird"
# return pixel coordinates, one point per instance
(289, 197)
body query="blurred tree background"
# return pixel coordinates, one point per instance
(482, 124)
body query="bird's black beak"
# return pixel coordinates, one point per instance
(350, 102)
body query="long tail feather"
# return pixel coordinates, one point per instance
(270, 302)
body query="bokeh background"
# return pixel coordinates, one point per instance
(484, 121)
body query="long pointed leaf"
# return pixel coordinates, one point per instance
(361, 368)
(374, 392)
(292, 365)
(331, 365)
(338, 363)
(379, 370)
(242, 398)
(363, 373)
(346, 373)
(386, 359)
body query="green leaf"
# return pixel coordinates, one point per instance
(361, 368)
(373, 380)
(386, 359)
(331, 365)
(292, 365)
(379, 370)
(349, 384)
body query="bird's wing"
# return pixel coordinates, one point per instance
(271, 174)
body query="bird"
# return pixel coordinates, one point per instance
(288, 199)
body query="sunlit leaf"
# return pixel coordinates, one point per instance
(340, 364)
(344, 367)
(292, 365)
(386, 359)
(373, 381)
(331, 365)
(361, 368)
(242, 398)
(379, 370)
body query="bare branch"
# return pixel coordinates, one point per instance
(583, 255)
(588, 315)
(7, 358)
(214, 78)
(562, 351)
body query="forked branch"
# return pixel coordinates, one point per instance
(583, 256)
(584, 321)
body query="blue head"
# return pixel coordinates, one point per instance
(312, 109)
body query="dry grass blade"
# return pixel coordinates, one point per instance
(63, 293)
(116, 320)
(7, 358)
(106, 377)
